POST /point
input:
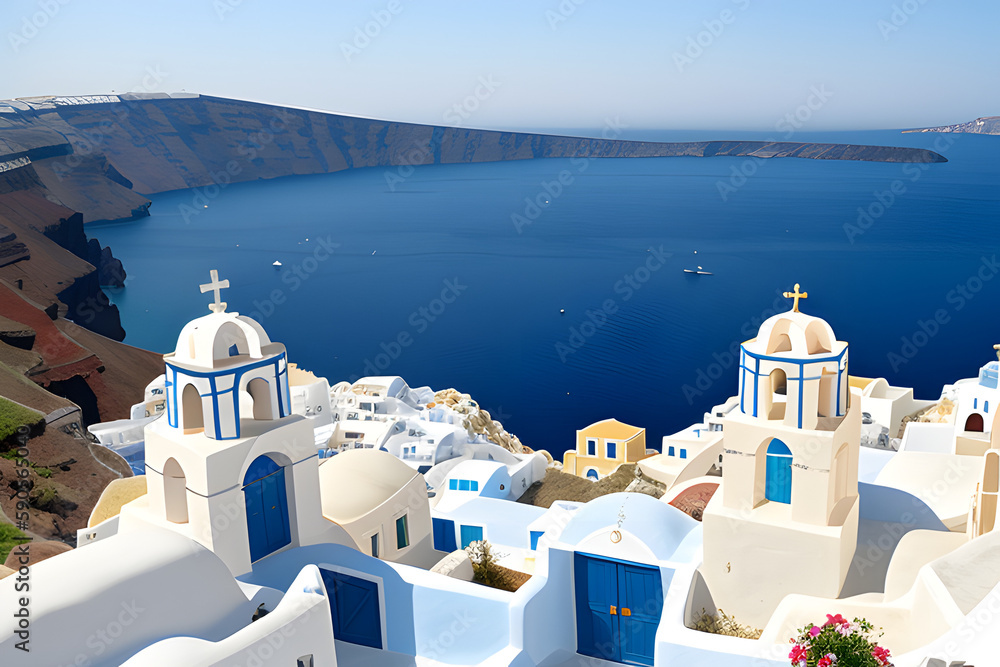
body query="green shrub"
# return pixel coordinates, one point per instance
(485, 568)
(10, 537)
(13, 416)
(39, 470)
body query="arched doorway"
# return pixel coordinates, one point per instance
(592, 474)
(192, 414)
(778, 478)
(974, 423)
(267, 507)
(175, 492)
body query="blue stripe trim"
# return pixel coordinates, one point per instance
(802, 385)
(801, 379)
(808, 377)
(765, 357)
(288, 393)
(743, 385)
(840, 377)
(756, 390)
(172, 402)
(236, 406)
(235, 370)
(283, 390)
(215, 409)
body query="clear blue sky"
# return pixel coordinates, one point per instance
(934, 62)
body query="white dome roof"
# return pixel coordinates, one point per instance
(793, 332)
(355, 482)
(207, 340)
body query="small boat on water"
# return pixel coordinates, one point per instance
(276, 264)
(698, 272)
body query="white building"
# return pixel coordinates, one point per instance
(310, 397)
(966, 428)
(885, 405)
(231, 467)
(382, 505)
(790, 473)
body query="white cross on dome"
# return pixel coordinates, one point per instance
(216, 286)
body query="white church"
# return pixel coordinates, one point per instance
(788, 517)
(231, 467)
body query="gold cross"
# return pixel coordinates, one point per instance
(216, 286)
(798, 295)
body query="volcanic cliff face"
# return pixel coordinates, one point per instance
(95, 154)
(69, 374)
(984, 125)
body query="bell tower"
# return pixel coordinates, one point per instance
(230, 466)
(786, 517)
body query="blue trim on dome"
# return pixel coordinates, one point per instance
(743, 384)
(282, 391)
(215, 408)
(756, 387)
(171, 382)
(801, 379)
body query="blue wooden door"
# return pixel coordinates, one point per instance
(444, 534)
(355, 608)
(266, 500)
(618, 608)
(778, 482)
(597, 607)
(640, 597)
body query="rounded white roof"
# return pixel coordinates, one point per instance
(475, 469)
(206, 340)
(796, 333)
(355, 482)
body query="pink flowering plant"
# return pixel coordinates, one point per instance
(838, 643)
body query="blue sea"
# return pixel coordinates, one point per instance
(456, 275)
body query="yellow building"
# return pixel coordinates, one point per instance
(602, 447)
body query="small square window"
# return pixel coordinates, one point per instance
(591, 447)
(475, 485)
(453, 484)
(684, 453)
(463, 485)
(374, 540)
(611, 450)
(671, 451)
